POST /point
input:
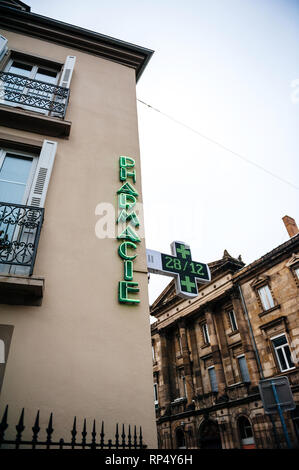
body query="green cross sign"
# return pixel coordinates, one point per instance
(181, 266)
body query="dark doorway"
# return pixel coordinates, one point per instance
(209, 436)
(180, 439)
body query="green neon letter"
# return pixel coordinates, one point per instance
(129, 234)
(124, 163)
(124, 287)
(124, 216)
(128, 189)
(128, 270)
(126, 201)
(122, 250)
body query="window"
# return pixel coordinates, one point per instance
(31, 71)
(246, 434)
(266, 297)
(233, 321)
(156, 394)
(24, 181)
(205, 332)
(16, 175)
(153, 352)
(243, 368)
(283, 353)
(179, 344)
(182, 384)
(213, 379)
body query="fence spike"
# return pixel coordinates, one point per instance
(84, 433)
(74, 432)
(35, 430)
(129, 437)
(94, 434)
(3, 424)
(102, 434)
(49, 430)
(140, 438)
(20, 428)
(116, 437)
(123, 437)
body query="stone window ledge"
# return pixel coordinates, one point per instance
(18, 118)
(233, 333)
(21, 290)
(265, 312)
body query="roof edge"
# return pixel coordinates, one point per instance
(122, 52)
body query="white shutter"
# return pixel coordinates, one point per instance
(67, 73)
(42, 175)
(3, 46)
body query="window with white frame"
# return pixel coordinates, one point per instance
(266, 297)
(213, 379)
(156, 401)
(16, 176)
(205, 333)
(283, 352)
(243, 368)
(233, 320)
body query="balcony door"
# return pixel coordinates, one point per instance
(16, 176)
(25, 94)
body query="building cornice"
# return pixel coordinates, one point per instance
(52, 30)
(274, 256)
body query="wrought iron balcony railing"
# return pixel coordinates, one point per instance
(32, 94)
(20, 228)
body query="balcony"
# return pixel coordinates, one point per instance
(20, 228)
(33, 105)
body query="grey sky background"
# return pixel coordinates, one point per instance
(230, 70)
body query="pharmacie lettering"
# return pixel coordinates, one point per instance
(127, 218)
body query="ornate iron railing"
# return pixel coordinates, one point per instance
(33, 94)
(131, 440)
(20, 228)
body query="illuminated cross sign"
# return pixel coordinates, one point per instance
(181, 266)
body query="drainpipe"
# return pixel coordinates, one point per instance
(257, 358)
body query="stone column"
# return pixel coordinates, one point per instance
(164, 388)
(246, 339)
(186, 362)
(216, 353)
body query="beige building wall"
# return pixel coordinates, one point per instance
(81, 352)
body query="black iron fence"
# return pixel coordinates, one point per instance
(33, 94)
(122, 440)
(20, 228)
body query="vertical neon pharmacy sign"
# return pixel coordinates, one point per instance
(127, 197)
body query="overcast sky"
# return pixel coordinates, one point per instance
(230, 70)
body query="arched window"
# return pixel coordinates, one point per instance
(246, 433)
(180, 439)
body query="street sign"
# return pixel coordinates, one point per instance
(180, 266)
(276, 393)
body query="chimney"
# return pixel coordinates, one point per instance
(290, 225)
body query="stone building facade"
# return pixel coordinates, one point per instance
(210, 353)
